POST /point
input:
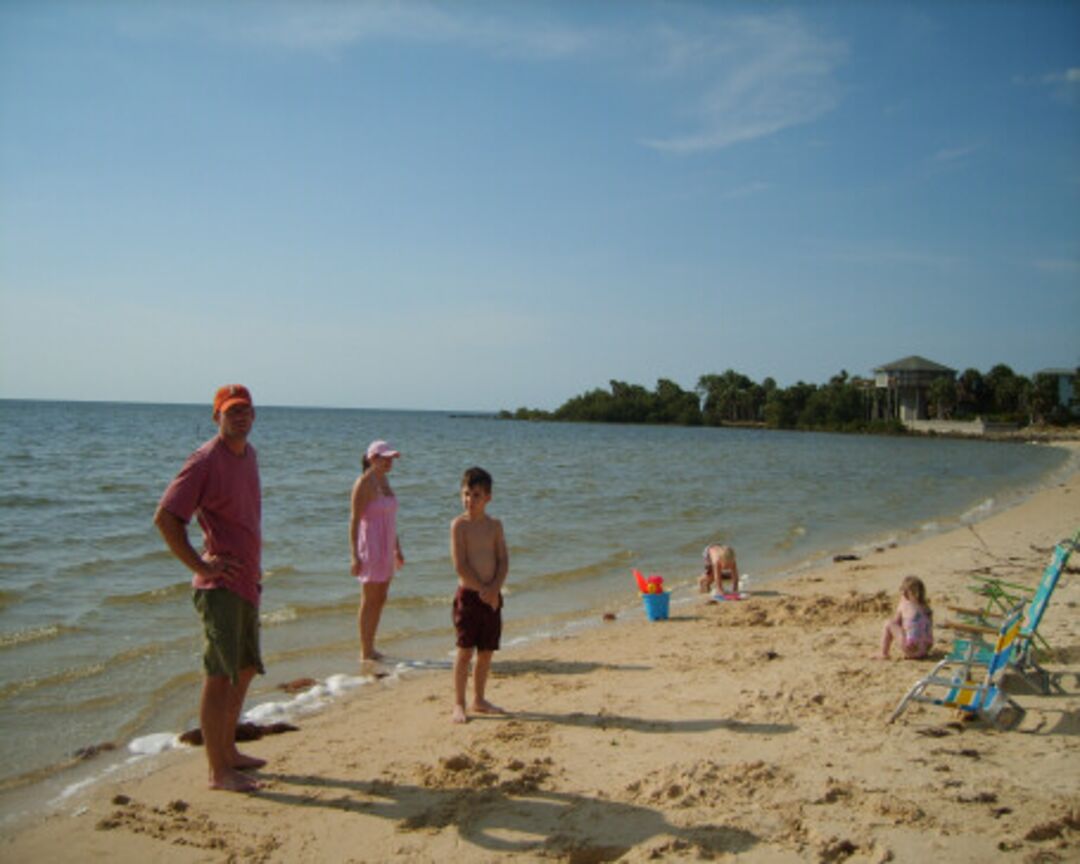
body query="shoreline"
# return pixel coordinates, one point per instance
(564, 564)
(585, 703)
(276, 703)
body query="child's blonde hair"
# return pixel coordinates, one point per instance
(913, 586)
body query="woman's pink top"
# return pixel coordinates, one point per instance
(376, 539)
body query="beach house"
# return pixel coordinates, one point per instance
(903, 388)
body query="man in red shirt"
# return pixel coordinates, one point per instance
(219, 485)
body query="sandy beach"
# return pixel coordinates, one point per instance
(753, 731)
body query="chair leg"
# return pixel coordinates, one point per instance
(911, 694)
(1040, 678)
(1032, 673)
(1008, 716)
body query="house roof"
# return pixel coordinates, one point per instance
(1067, 372)
(914, 363)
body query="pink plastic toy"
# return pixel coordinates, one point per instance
(653, 585)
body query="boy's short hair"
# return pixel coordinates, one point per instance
(476, 477)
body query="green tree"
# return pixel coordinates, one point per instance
(842, 404)
(729, 398)
(943, 397)
(1044, 397)
(672, 404)
(783, 407)
(632, 403)
(971, 393)
(1007, 390)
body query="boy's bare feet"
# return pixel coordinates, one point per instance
(482, 706)
(459, 715)
(234, 781)
(375, 656)
(879, 656)
(243, 762)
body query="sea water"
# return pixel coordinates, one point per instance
(99, 643)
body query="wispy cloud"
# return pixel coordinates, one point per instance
(1058, 266)
(331, 27)
(757, 76)
(892, 256)
(747, 190)
(1064, 85)
(955, 154)
(726, 79)
(1069, 76)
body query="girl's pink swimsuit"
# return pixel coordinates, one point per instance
(376, 539)
(919, 633)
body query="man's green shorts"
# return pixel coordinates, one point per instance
(231, 631)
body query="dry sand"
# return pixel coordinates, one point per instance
(753, 731)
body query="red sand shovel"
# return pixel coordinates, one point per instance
(642, 583)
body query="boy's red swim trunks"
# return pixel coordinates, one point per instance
(477, 625)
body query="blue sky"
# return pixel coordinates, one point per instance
(487, 205)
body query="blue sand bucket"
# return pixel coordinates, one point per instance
(657, 605)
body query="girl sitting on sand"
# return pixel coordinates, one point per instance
(912, 625)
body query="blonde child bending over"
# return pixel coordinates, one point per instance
(719, 565)
(913, 624)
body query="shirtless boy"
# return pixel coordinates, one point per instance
(478, 549)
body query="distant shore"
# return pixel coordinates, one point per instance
(1034, 433)
(753, 728)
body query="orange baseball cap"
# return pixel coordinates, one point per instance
(229, 395)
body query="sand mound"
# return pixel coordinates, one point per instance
(817, 609)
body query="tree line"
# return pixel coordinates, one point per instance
(844, 403)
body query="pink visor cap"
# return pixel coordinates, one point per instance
(381, 448)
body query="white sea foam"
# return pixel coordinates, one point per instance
(863, 549)
(268, 712)
(80, 785)
(978, 512)
(152, 745)
(310, 701)
(336, 685)
(75, 788)
(315, 698)
(279, 616)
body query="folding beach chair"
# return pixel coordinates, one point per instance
(1001, 596)
(957, 678)
(981, 623)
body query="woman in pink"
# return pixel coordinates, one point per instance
(376, 551)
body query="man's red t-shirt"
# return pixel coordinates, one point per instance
(222, 490)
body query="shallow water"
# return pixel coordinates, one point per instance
(98, 641)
